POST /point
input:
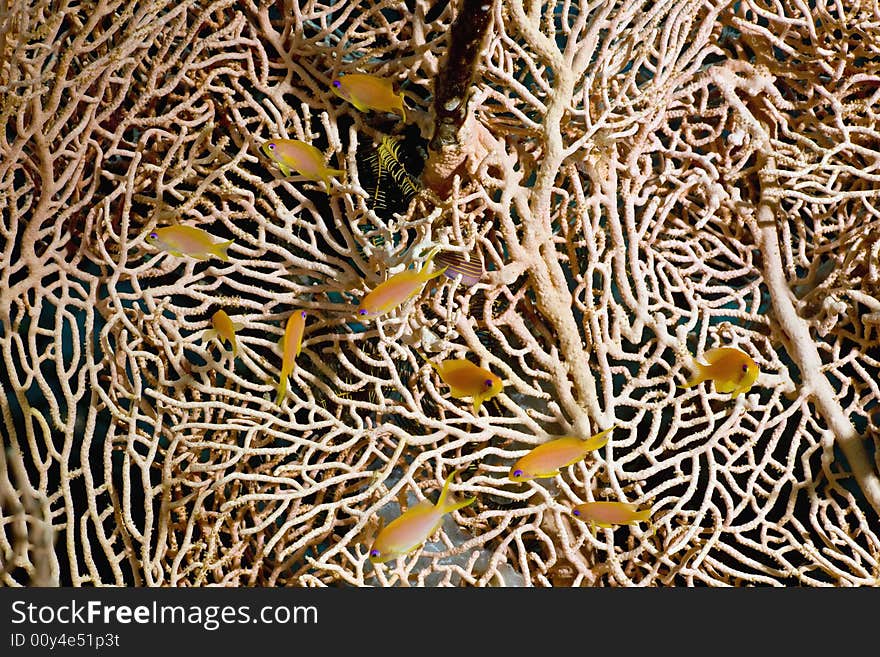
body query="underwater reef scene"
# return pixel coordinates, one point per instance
(377, 293)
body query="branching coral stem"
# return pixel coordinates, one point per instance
(554, 298)
(806, 355)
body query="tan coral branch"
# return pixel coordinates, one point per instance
(806, 355)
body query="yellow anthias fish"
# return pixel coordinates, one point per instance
(397, 289)
(731, 369)
(368, 92)
(465, 379)
(411, 529)
(224, 329)
(290, 345)
(180, 240)
(303, 158)
(608, 514)
(546, 459)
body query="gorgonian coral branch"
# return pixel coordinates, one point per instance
(606, 172)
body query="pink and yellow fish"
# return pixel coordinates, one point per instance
(301, 157)
(546, 459)
(608, 514)
(224, 329)
(731, 369)
(368, 92)
(290, 345)
(465, 379)
(180, 240)
(397, 289)
(411, 529)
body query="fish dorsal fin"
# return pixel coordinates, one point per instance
(714, 355)
(423, 504)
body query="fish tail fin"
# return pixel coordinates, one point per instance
(404, 93)
(326, 176)
(281, 389)
(446, 507)
(437, 273)
(425, 358)
(644, 515)
(458, 504)
(599, 440)
(423, 272)
(697, 378)
(220, 249)
(210, 334)
(444, 492)
(428, 260)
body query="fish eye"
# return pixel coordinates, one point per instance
(362, 311)
(745, 368)
(374, 553)
(517, 473)
(154, 236)
(576, 512)
(303, 313)
(337, 83)
(488, 383)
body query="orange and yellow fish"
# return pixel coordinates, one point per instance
(465, 379)
(180, 240)
(608, 514)
(368, 92)
(301, 157)
(397, 289)
(224, 329)
(290, 345)
(411, 529)
(546, 459)
(731, 369)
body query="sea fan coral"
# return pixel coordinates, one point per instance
(641, 182)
